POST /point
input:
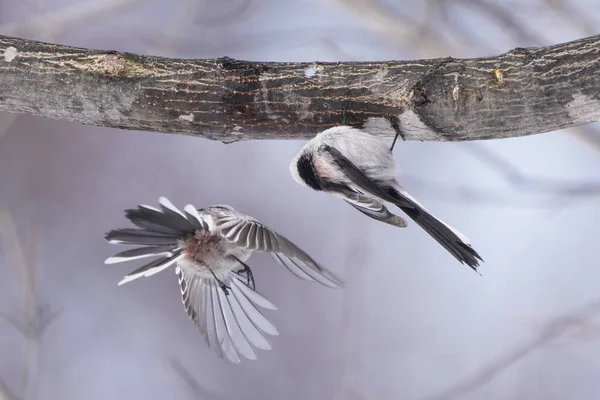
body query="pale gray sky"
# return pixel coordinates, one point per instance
(412, 323)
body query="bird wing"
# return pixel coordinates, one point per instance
(373, 208)
(362, 182)
(361, 193)
(453, 241)
(159, 233)
(230, 323)
(250, 234)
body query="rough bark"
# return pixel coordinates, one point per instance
(521, 92)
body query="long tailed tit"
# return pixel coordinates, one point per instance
(359, 168)
(210, 248)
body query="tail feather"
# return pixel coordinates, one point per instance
(159, 233)
(152, 267)
(456, 243)
(155, 220)
(140, 236)
(140, 252)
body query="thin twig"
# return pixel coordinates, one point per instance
(34, 319)
(7, 121)
(184, 15)
(239, 10)
(395, 27)
(497, 11)
(578, 20)
(5, 392)
(553, 330)
(351, 311)
(197, 391)
(587, 134)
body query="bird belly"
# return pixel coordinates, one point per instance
(207, 253)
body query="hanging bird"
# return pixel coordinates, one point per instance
(358, 167)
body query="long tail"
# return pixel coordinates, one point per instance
(455, 242)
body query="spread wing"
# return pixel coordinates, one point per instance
(159, 233)
(230, 323)
(252, 235)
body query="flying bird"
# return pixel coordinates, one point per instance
(209, 248)
(358, 167)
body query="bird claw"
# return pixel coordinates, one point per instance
(247, 272)
(224, 288)
(395, 122)
(221, 284)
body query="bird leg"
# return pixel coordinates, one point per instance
(396, 125)
(222, 285)
(246, 271)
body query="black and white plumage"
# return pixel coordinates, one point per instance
(359, 168)
(209, 249)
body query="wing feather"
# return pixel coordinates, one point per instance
(231, 324)
(250, 234)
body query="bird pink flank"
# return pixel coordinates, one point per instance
(204, 252)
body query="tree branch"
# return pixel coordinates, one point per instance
(521, 92)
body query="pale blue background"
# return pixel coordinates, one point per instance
(412, 323)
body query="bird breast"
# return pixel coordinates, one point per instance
(206, 251)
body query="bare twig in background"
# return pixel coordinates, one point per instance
(437, 19)
(497, 11)
(336, 50)
(548, 197)
(578, 20)
(524, 182)
(588, 135)
(197, 392)
(185, 14)
(425, 38)
(290, 38)
(395, 27)
(552, 193)
(353, 394)
(30, 317)
(14, 322)
(580, 331)
(355, 262)
(5, 393)
(553, 330)
(10, 243)
(6, 122)
(242, 8)
(34, 319)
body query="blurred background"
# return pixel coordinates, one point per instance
(412, 323)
